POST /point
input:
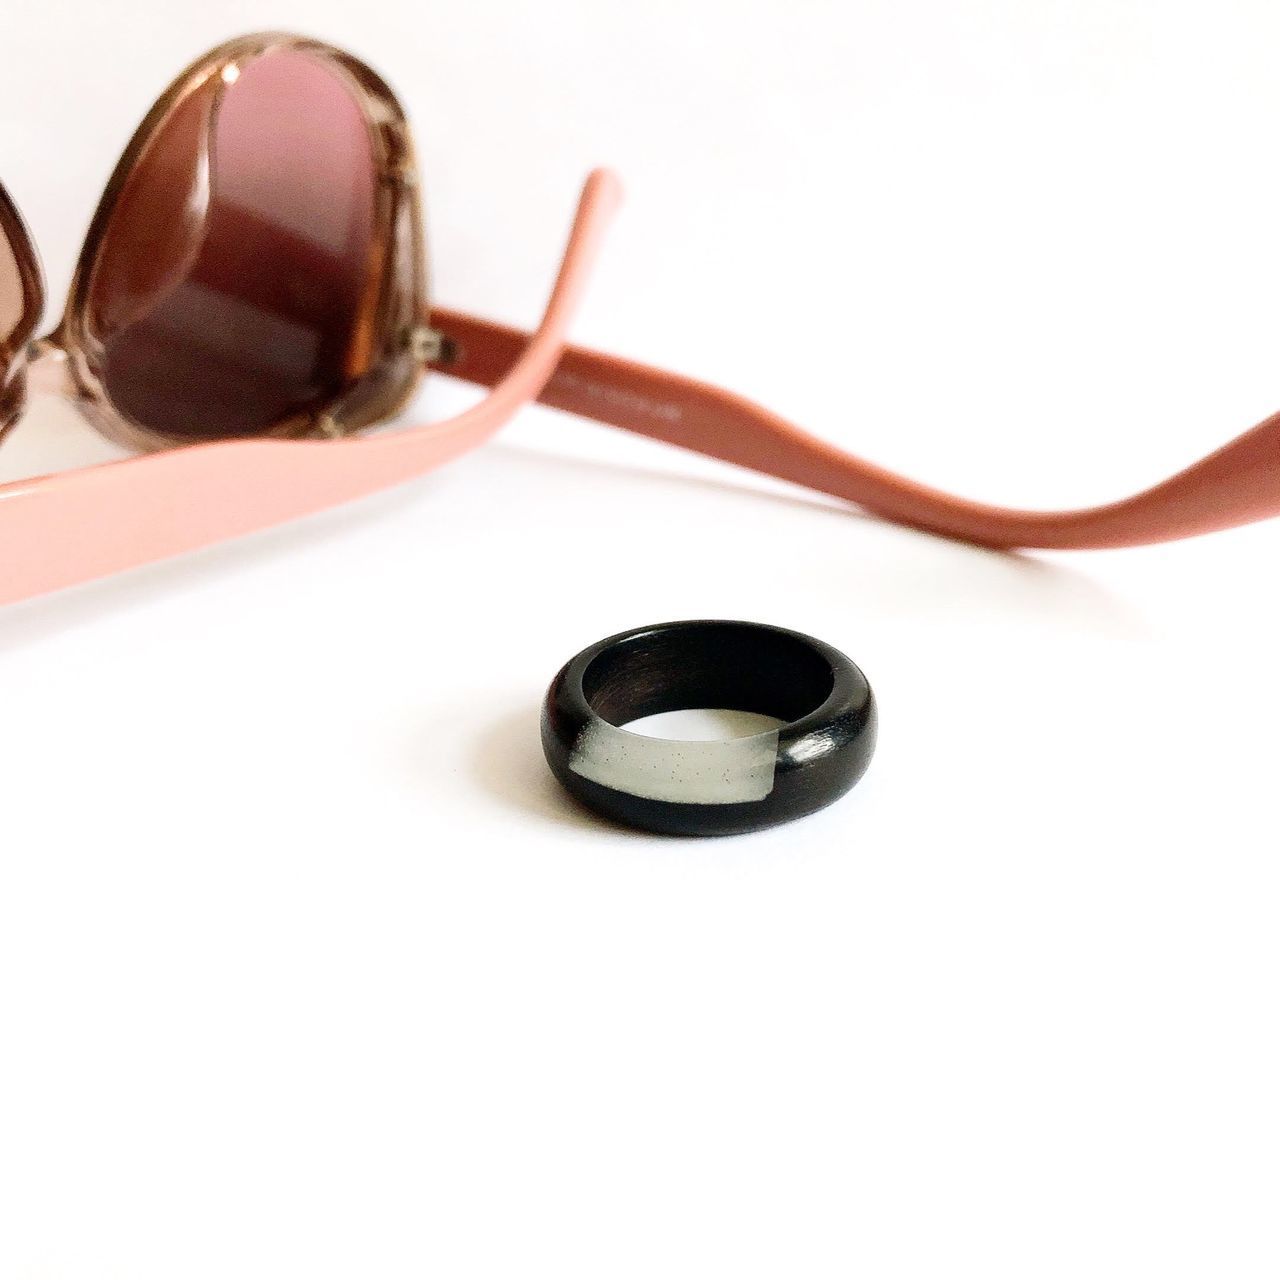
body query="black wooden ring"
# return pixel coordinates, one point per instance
(709, 788)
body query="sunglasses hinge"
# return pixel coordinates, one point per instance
(429, 345)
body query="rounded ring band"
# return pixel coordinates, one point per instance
(724, 787)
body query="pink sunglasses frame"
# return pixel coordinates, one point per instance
(75, 526)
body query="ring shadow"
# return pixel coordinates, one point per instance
(507, 763)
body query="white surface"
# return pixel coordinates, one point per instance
(306, 968)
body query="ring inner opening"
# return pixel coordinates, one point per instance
(714, 667)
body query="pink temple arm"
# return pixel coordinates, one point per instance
(1237, 484)
(63, 529)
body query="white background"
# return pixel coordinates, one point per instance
(307, 969)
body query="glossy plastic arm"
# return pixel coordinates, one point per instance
(1237, 484)
(68, 528)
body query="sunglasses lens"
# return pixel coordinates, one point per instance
(20, 290)
(236, 281)
(12, 297)
(21, 301)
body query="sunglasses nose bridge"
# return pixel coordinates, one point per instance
(12, 396)
(48, 369)
(41, 368)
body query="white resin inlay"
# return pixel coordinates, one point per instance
(729, 771)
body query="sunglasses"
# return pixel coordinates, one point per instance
(252, 296)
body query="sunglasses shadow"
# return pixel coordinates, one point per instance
(902, 571)
(907, 573)
(884, 570)
(31, 621)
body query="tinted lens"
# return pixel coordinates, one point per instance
(236, 279)
(20, 291)
(12, 300)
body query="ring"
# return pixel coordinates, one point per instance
(724, 787)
